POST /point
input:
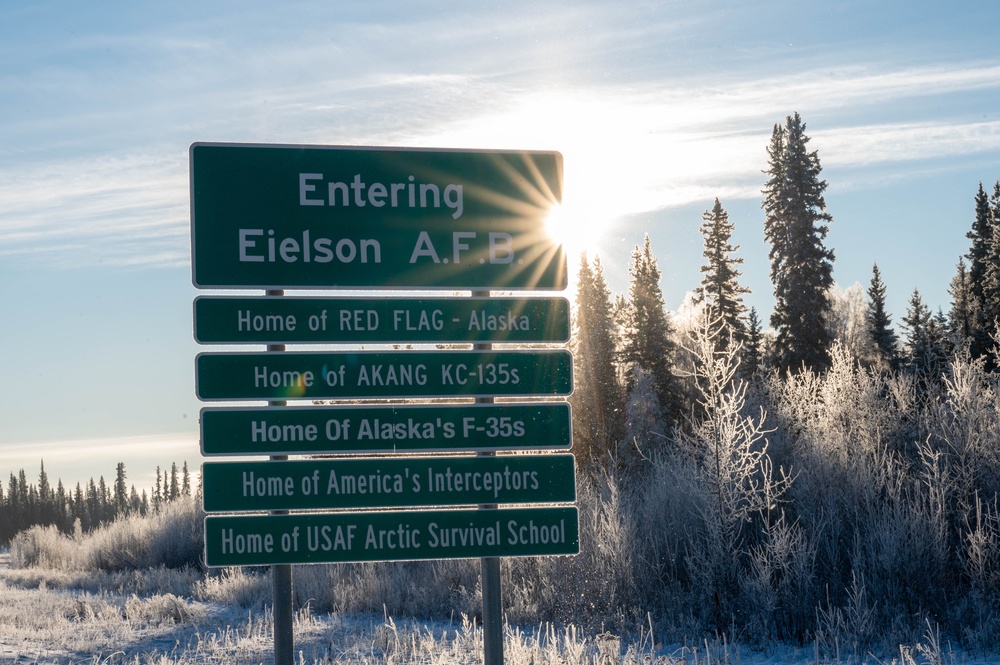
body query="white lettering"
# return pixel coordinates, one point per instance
(358, 193)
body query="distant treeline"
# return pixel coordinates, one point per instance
(86, 506)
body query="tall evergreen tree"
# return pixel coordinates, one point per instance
(15, 511)
(649, 344)
(597, 396)
(62, 515)
(924, 338)
(79, 510)
(989, 304)
(45, 511)
(962, 315)
(121, 490)
(753, 352)
(158, 491)
(24, 498)
(981, 235)
(720, 287)
(103, 500)
(175, 487)
(795, 225)
(93, 504)
(879, 321)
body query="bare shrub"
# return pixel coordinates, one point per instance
(740, 489)
(171, 537)
(596, 585)
(415, 588)
(41, 546)
(236, 587)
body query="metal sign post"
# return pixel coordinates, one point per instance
(281, 575)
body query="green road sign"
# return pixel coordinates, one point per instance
(376, 374)
(278, 320)
(273, 216)
(258, 540)
(387, 482)
(305, 430)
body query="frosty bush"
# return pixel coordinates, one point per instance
(847, 508)
(171, 537)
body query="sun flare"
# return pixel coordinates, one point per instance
(577, 228)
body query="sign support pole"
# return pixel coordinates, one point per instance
(281, 575)
(490, 567)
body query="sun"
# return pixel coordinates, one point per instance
(578, 228)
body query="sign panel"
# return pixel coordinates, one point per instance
(306, 430)
(375, 374)
(273, 216)
(291, 320)
(387, 482)
(259, 540)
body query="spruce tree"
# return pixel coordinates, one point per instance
(24, 498)
(980, 234)
(720, 287)
(649, 344)
(175, 487)
(61, 507)
(924, 340)
(962, 315)
(795, 225)
(93, 504)
(753, 353)
(597, 397)
(121, 490)
(158, 491)
(879, 321)
(45, 511)
(14, 509)
(79, 509)
(103, 501)
(989, 304)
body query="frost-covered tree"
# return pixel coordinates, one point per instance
(879, 321)
(720, 288)
(648, 340)
(848, 323)
(795, 225)
(738, 481)
(644, 420)
(597, 396)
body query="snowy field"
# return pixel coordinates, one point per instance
(42, 620)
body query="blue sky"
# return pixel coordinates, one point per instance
(657, 107)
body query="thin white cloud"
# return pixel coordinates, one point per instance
(628, 148)
(86, 210)
(79, 460)
(869, 144)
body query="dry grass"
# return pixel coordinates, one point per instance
(41, 625)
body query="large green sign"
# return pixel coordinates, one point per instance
(271, 216)
(387, 482)
(305, 430)
(279, 320)
(376, 374)
(252, 540)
